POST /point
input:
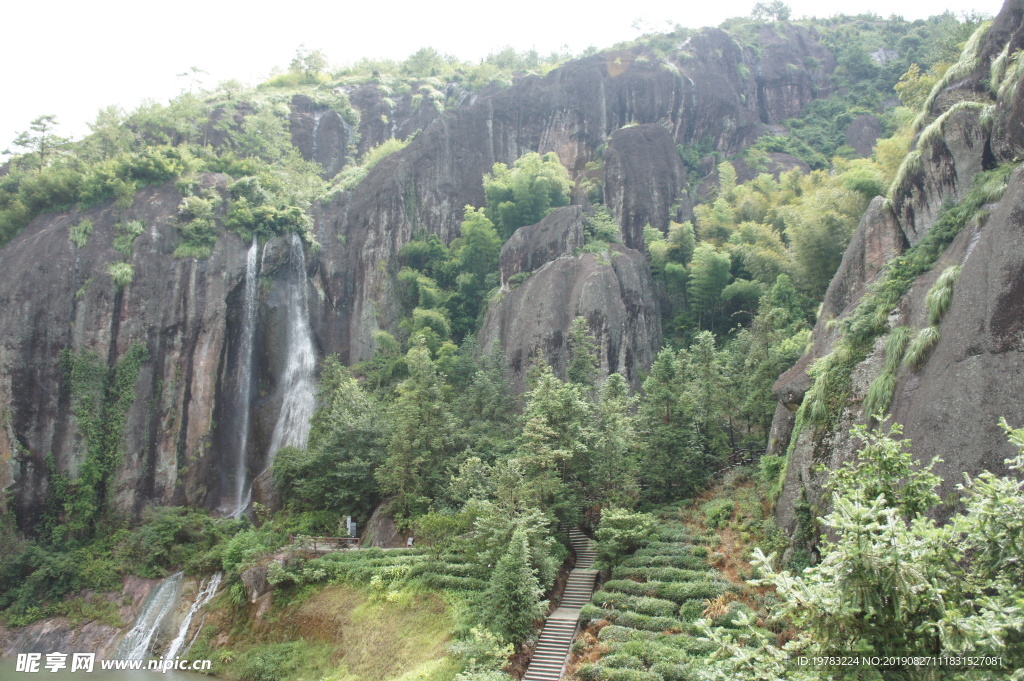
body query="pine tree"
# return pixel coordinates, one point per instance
(514, 593)
(583, 362)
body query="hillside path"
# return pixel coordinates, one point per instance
(552, 651)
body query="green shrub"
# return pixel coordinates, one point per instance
(686, 561)
(613, 674)
(621, 532)
(896, 347)
(622, 661)
(880, 395)
(126, 233)
(591, 613)
(279, 661)
(170, 538)
(614, 633)
(197, 226)
(655, 607)
(718, 512)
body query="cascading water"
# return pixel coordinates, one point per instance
(135, 644)
(243, 487)
(292, 427)
(316, 131)
(207, 590)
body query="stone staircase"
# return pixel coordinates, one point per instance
(552, 649)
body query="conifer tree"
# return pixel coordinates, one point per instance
(514, 593)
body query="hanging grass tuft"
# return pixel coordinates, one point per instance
(921, 347)
(940, 294)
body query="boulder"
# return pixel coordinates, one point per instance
(530, 247)
(612, 291)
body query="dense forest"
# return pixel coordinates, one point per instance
(420, 423)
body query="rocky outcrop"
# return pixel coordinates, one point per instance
(862, 133)
(530, 247)
(794, 69)
(186, 313)
(56, 297)
(320, 134)
(645, 181)
(381, 529)
(951, 406)
(612, 291)
(699, 92)
(178, 445)
(58, 634)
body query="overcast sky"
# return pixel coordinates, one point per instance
(72, 58)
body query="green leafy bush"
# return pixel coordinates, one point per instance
(621, 532)
(525, 193)
(718, 512)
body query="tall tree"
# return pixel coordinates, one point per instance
(525, 193)
(514, 593)
(346, 444)
(709, 275)
(583, 359)
(40, 140)
(422, 438)
(611, 475)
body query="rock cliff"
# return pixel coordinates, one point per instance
(613, 291)
(951, 406)
(59, 300)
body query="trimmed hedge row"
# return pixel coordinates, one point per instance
(628, 618)
(645, 605)
(662, 574)
(683, 561)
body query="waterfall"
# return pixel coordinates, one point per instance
(316, 129)
(135, 645)
(207, 590)
(292, 427)
(243, 489)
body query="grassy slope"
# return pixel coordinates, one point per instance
(337, 632)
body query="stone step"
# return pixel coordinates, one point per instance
(555, 641)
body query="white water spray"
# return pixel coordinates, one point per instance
(243, 488)
(207, 590)
(135, 644)
(292, 427)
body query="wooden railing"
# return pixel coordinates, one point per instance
(325, 543)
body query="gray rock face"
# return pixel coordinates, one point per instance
(951, 406)
(571, 111)
(321, 135)
(862, 133)
(645, 181)
(947, 167)
(614, 293)
(178, 442)
(973, 378)
(56, 296)
(530, 247)
(794, 69)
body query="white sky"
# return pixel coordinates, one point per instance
(72, 58)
